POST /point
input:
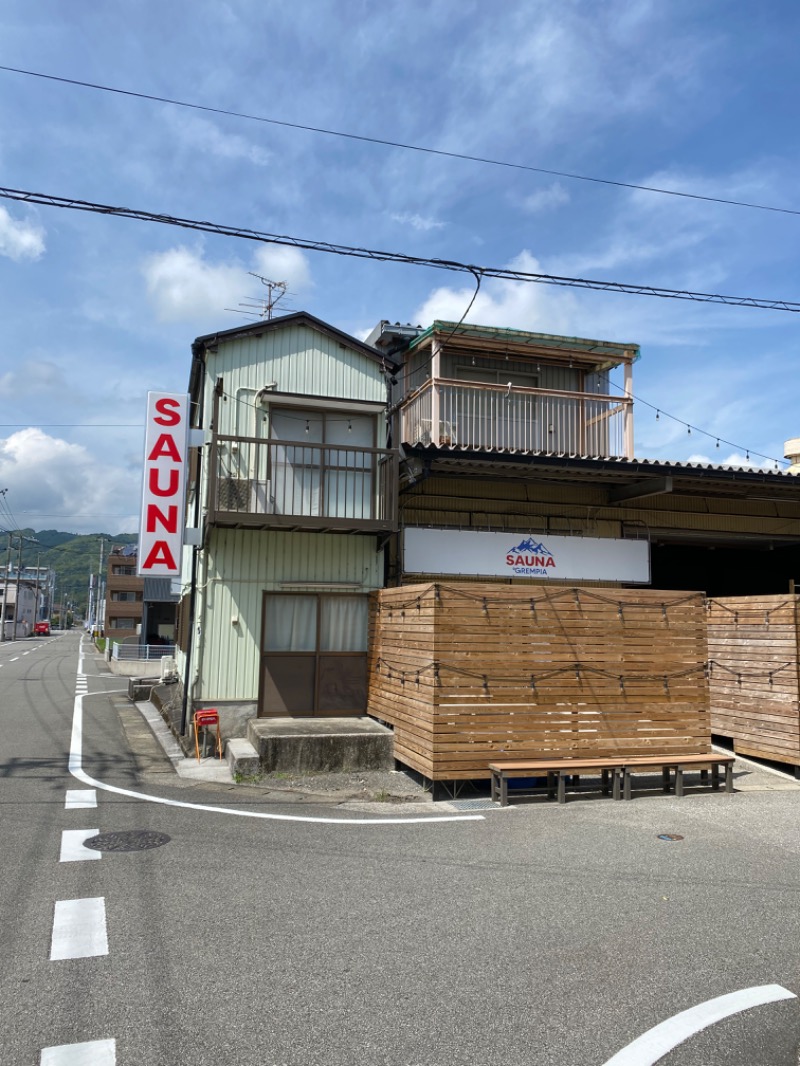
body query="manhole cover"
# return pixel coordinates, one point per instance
(670, 836)
(129, 840)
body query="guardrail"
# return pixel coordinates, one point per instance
(140, 652)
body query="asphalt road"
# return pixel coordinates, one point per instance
(534, 935)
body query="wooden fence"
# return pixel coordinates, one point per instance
(753, 674)
(470, 673)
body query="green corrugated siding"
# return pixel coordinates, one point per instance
(299, 360)
(243, 565)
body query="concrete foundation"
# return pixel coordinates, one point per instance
(329, 745)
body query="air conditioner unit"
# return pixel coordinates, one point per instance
(245, 494)
(447, 433)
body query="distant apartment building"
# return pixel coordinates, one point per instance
(124, 595)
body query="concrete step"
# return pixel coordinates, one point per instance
(327, 745)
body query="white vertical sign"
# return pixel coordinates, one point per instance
(164, 485)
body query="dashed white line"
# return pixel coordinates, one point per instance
(661, 1039)
(14, 659)
(79, 798)
(79, 929)
(93, 1053)
(72, 849)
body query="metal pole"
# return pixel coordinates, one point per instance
(16, 595)
(5, 591)
(36, 600)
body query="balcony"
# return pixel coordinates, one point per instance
(462, 416)
(295, 485)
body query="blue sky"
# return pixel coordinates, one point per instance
(694, 96)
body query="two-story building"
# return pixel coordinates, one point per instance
(517, 440)
(332, 468)
(295, 495)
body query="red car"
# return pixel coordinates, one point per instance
(41, 629)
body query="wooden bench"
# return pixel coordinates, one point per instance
(554, 770)
(705, 762)
(557, 771)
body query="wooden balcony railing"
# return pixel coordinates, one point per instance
(283, 484)
(502, 418)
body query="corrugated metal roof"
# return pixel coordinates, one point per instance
(519, 336)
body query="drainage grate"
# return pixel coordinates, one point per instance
(129, 840)
(473, 805)
(669, 836)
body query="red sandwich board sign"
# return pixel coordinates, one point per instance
(164, 485)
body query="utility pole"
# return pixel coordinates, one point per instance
(36, 601)
(5, 590)
(16, 594)
(100, 585)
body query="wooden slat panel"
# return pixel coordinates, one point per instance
(749, 638)
(471, 672)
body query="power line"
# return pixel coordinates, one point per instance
(400, 144)
(502, 273)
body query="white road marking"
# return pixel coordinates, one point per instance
(14, 659)
(77, 771)
(79, 929)
(80, 797)
(661, 1039)
(93, 1053)
(72, 849)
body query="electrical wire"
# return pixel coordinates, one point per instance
(572, 176)
(454, 265)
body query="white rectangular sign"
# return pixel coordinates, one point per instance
(456, 551)
(164, 485)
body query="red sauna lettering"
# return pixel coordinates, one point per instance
(159, 555)
(155, 488)
(170, 418)
(169, 520)
(530, 560)
(165, 448)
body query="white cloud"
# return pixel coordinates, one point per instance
(48, 476)
(418, 222)
(553, 196)
(200, 133)
(20, 240)
(747, 461)
(182, 285)
(518, 305)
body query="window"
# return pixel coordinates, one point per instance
(320, 474)
(122, 623)
(314, 654)
(126, 597)
(123, 571)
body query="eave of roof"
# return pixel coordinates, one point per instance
(295, 318)
(608, 350)
(616, 469)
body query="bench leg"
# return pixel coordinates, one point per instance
(626, 783)
(604, 782)
(729, 777)
(665, 782)
(503, 790)
(551, 785)
(704, 777)
(616, 782)
(714, 777)
(493, 787)
(562, 788)
(678, 780)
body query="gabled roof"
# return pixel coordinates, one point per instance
(297, 318)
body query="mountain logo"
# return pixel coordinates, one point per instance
(530, 558)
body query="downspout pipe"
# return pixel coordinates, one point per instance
(197, 365)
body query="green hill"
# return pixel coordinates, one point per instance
(73, 556)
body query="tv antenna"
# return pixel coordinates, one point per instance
(264, 306)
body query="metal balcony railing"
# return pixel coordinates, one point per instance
(300, 485)
(502, 418)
